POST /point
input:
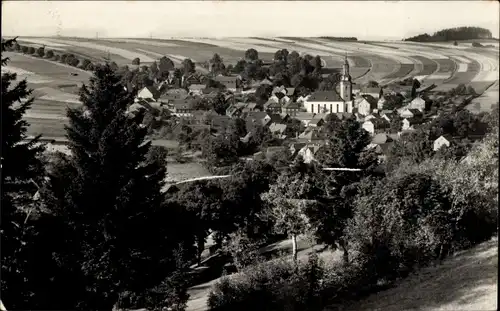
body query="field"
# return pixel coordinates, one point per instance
(444, 65)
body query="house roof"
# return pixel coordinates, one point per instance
(414, 111)
(277, 127)
(272, 104)
(414, 120)
(153, 91)
(344, 115)
(370, 90)
(221, 78)
(381, 138)
(370, 99)
(275, 117)
(316, 121)
(290, 91)
(258, 115)
(220, 121)
(182, 104)
(325, 96)
(292, 105)
(196, 86)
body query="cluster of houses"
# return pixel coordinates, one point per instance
(365, 105)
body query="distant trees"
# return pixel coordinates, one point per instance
(217, 65)
(49, 54)
(188, 66)
(136, 61)
(452, 34)
(40, 52)
(24, 49)
(251, 55)
(31, 50)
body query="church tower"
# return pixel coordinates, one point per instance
(345, 82)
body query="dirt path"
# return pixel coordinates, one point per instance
(466, 281)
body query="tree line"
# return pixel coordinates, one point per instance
(451, 34)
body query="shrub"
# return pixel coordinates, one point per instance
(57, 57)
(17, 47)
(49, 54)
(275, 285)
(64, 57)
(74, 62)
(243, 251)
(476, 44)
(31, 50)
(136, 61)
(24, 49)
(40, 51)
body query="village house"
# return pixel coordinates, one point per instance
(291, 108)
(220, 123)
(173, 94)
(380, 103)
(257, 118)
(316, 122)
(302, 99)
(231, 83)
(148, 92)
(369, 127)
(250, 107)
(389, 115)
(236, 110)
(308, 151)
(182, 108)
(408, 113)
(365, 104)
(442, 141)
(272, 107)
(310, 134)
(409, 123)
(417, 103)
(196, 89)
(192, 78)
(277, 130)
(295, 148)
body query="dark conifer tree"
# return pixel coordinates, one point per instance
(22, 170)
(105, 200)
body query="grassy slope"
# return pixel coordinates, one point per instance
(466, 281)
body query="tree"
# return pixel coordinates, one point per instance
(251, 55)
(40, 52)
(63, 57)
(31, 50)
(202, 203)
(22, 169)
(57, 57)
(154, 69)
(86, 64)
(317, 64)
(105, 199)
(372, 83)
(330, 83)
(217, 64)
(24, 49)
(74, 62)
(136, 61)
(240, 66)
(50, 54)
(393, 102)
(188, 66)
(289, 197)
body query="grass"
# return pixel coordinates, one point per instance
(466, 281)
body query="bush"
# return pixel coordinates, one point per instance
(57, 57)
(85, 64)
(49, 54)
(74, 62)
(64, 57)
(275, 285)
(243, 251)
(40, 51)
(136, 61)
(24, 49)
(476, 44)
(31, 50)
(17, 47)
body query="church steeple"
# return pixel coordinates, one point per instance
(345, 82)
(345, 70)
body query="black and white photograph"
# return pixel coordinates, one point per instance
(249, 155)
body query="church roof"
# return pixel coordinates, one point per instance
(325, 96)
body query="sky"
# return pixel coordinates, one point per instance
(377, 20)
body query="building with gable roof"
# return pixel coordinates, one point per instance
(333, 101)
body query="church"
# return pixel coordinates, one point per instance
(333, 101)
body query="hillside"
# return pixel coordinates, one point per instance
(466, 281)
(451, 34)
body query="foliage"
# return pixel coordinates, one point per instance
(451, 34)
(49, 54)
(22, 168)
(136, 61)
(244, 251)
(278, 285)
(110, 184)
(188, 66)
(40, 52)
(251, 55)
